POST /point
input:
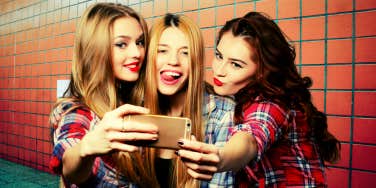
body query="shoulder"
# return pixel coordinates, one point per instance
(265, 108)
(70, 110)
(222, 102)
(214, 101)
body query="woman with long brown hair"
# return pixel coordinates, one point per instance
(90, 137)
(282, 139)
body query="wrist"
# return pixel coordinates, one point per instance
(221, 162)
(83, 151)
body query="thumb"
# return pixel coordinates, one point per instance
(130, 109)
(193, 138)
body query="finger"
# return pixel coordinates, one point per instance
(198, 146)
(123, 147)
(193, 138)
(133, 126)
(131, 136)
(197, 157)
(199, 176)
(207, 169)
(129, 109)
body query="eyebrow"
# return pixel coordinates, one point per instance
(232, 59)
(128, 37)
(166, 45)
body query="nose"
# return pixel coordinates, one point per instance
(173, 60)
(219, 69)
(134, 50)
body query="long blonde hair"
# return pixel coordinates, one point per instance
(94, 85)
(195, 87)
(92, 79)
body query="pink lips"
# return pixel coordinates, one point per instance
(170, 77)
(217, 82)
(134, 66)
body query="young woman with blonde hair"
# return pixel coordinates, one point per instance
(90, 136)
(175, 87)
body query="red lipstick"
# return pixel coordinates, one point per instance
(134, 66)
(217, 82)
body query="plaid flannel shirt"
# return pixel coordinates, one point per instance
(287, 153)
(219, 112)
(70, 127)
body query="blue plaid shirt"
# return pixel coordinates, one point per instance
(219, 113)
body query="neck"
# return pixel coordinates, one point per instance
(123, 89)
(177, 102)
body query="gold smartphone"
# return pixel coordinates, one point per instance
(171, 129)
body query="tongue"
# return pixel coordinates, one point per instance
(167, 77)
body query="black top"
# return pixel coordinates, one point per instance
(163, 170)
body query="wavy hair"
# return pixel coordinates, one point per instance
(159, 104)
(94, 85)
(92, 79)
(277, 78)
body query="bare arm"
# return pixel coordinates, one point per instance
(237, 152)
(109, 135)
(203, 160)
(76, 166)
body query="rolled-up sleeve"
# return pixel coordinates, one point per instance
(70, 130)
(263, 120)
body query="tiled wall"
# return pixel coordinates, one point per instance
(335, 42)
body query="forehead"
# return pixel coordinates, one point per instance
(235, 47)
(127, 26)
(173, 36)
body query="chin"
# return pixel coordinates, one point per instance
(220, 91)
(167, 92)
(130, 78)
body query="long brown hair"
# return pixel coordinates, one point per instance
(94, 85)
(277, 78)
(159, 104)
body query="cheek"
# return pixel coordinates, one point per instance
(214, 64)
(117, 57)
(185, 65)
(239, 83)
(142, 51)
(113, 57)
(159, 62)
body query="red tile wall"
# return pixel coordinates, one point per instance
(334, 40)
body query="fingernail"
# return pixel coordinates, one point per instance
(180, 142)
(177, 152)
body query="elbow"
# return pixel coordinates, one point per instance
(73, 178)
(252, 152)
(76, 171)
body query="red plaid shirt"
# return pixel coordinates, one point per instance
(69, 128)
(287, 153)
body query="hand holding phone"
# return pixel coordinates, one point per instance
(171, 129)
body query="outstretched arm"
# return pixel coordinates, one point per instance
(203, 160)
(109, 135)
(238, 152)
